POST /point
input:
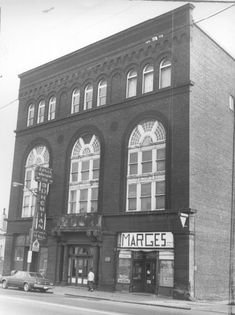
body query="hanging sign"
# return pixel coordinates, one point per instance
(43, 174)
(35, 246)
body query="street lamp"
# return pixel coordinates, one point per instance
(31, 235)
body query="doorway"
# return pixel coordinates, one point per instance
(79, 262)
(144, 272)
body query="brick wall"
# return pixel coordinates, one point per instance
(211, 128)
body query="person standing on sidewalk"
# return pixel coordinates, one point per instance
(91, 278)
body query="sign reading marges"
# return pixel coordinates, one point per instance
(146, 240)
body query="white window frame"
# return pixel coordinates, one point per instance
(102, 93)
(75, 104)
(148, 74)
(231, 102)
(131, 80)
(158, 142)
(41, 112)
(165, 68)
(52, 108)
(82, 153)
(39, 156)
(30, 118)
(88, 96)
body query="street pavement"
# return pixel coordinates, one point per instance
(219, 307)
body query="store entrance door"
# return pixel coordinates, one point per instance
(150, 276)
(78, 270)
(144, 273)
(78, 265)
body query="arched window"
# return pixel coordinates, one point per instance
(147, 83)
(30, 119)
(75, 101)
(39, 156)
(165, 73)
(52, 108)
(102, 93)
(131, 84)
(41, 112)
(146, 167)
(84, 175)
(88, 95)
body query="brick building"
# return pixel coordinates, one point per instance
(137, 129)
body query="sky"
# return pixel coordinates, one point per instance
(33, 32)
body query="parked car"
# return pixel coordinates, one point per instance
(27, 281)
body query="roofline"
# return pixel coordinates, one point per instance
(214, 41)
(106, 39)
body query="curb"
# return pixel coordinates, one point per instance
(128, 302)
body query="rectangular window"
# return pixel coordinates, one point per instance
(51, 113)
(26, 206)
(30, 115)
(166, 78)
(43, 260)
(73, 201)
(83, 200)
(148, 83)
(102, 95)
(28, 177)
(75, 108)
(85, 170)
(161, 156)
(75, 101)
(132, 197)
(18, 258)
(74, 172)
(94, 199)
(160, 195)
(231, 102)
(166, 278)
(41, 112)
(133, 164)
(30, 121)
(88, 97)
(96, 167)
(132, 85)
(33, 203)
(146, 197)
(147, 161)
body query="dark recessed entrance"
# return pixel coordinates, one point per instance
(80, 260)
(144, 272)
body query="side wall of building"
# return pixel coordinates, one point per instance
(211, 142)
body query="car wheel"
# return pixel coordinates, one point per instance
(4, 284)
(26, 287)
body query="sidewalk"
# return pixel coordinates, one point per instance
(219, 307)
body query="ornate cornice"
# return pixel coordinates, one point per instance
(136, 53)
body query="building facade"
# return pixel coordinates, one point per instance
(137, 129)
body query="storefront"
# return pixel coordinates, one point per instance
(145, 262)
(20, 254)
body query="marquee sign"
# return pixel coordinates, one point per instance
(146, 240)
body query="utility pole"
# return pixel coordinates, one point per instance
(232, 232)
